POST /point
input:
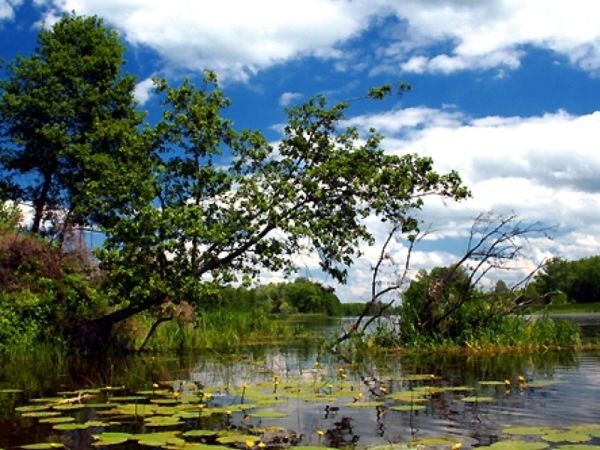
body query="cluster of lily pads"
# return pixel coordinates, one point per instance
(183, 415)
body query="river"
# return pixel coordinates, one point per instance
(291, 395)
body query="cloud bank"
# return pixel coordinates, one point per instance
(239, 38)
(541, 168)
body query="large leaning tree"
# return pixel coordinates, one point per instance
(190, 202)
(68, 125)
(226, 205)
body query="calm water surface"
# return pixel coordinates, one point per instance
(562, 389)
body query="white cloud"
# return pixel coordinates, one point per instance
(483, 35)
(8, 8)
(542, 168)
(287, 98)
(235, 38)
(143, 90)
(239, 38)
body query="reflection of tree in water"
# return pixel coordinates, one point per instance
(341, 434)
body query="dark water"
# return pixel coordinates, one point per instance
(568, 394)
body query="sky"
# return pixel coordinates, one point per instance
(506, 92)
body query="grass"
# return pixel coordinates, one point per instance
(215, 329)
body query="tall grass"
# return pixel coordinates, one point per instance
(214, 329)
(503, 333)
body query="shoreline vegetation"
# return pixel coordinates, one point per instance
(43, 281)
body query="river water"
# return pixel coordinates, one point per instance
(309, 398)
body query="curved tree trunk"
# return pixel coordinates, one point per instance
(94, 335)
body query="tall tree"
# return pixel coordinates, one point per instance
(68, 121)
(227, 204)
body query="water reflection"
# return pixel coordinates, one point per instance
(567, 395)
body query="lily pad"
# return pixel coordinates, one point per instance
(43, 446)
(408, 407)
(111, 438)
(200, 433)
(269, 414)
(574, 437)
(477, 399)
(46, 400)
(31, 408)
(578, 447)
(198, 446)
(455, 388)
(233, 438)
(129, 398)
(10, 391)
(315, 447)
(70, 426)
(132, 409)
(515, 445)
(158, 439)
(38, 414)
(164, 401)
(57, 419)
(365, 404)
(163, 421)
(591, 428)
(391, 447)
(98, 423)
(523, 431)
(436, 440)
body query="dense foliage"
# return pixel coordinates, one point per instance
(442, 307)
(298, 296)
(578, 281)
(45, 288)
(68, 122)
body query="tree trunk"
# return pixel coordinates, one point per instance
(95, 335)
(40, 203)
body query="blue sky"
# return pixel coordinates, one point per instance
(506, 92)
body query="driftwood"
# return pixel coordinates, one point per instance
(78, 399)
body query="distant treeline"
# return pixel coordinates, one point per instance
(355, 309)
(300, 296)
(576, 281)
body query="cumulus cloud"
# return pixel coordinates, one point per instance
(541, 168)
(239, 38)
(8, 7)
(235, 38)
(484, 35)
(143, 90)
(287, 98)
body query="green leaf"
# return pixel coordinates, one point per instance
(111, 438)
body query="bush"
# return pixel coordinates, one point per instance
(44, 291)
